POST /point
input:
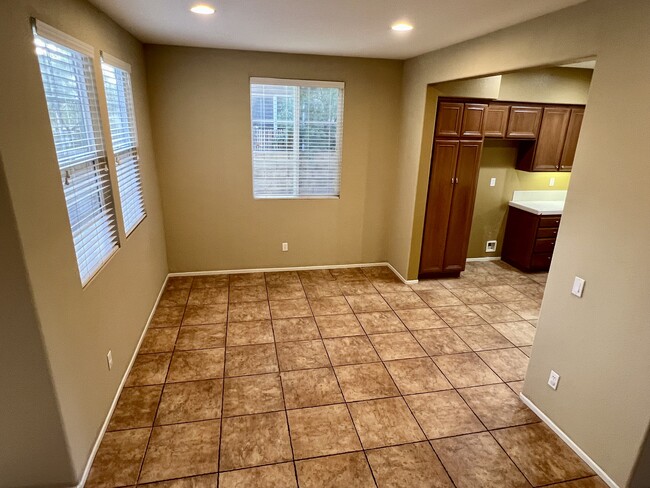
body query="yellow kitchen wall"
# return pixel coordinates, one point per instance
(491, 208)
(200, 107)
(77, 325)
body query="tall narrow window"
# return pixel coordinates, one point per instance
(121, 117)
(66, 66)
(296, 132)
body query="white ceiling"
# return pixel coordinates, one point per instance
(335, 27)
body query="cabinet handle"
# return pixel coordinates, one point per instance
(456, 180)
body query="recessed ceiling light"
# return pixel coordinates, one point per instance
(402, 27)
(202, 9)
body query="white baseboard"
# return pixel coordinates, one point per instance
(485, 258)
(102, 431)
(295, 268)
(569, 442)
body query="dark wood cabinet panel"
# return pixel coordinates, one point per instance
(524, 122)
(550, 142)
(441, 186)
(449, 119)
(462, 206)
(473, 120)
(571, 141)
(496, 120)
(529, 240)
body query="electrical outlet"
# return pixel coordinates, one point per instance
(285, 246)
(578, 287)
(553, 379)
(493, 181)
(109, 360)
(551, 182)
(491, 246)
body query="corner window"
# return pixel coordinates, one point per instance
(296, 132)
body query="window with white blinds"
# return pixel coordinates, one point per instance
(296, 132)
(66, 66)
(121, 117)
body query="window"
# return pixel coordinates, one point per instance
(121, 118)
(296, 132)
(66, 66)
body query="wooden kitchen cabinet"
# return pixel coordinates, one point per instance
(496, 120)
(529, 240)
(524, 122)
(450, 205)
(473, 120)
(571, 141)
(552, 134)
(449, 119)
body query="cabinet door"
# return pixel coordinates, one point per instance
(473, 119)
(551, 138)
(571, 141)
(524, 122)
(462, 205)
(449, 119)
(496, 120)
(441, 183)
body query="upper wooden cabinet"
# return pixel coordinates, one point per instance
(551, 138)
(473, 120)
(571, 141)
(524, 122)
(496, 120)
(449, 119)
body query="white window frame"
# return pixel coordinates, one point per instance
(296, 134)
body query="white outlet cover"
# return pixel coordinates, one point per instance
(491, 246)
(493, 181)
(578, 287)
(285, 246)
(551, 182)
(553, 380)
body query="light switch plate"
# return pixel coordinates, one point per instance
(493, 181)
(578, 287)
(553, 380)
(285, 246)
(551, 182)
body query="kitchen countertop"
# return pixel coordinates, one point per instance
(543, 202)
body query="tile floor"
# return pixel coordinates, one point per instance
(337, 378)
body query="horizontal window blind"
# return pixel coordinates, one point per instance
(296, 132)
(121, 116)
(66, 67)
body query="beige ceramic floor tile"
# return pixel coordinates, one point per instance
(495, 312)
(329, 306)
(443, 414)
(380, 322)
(247, 279)
(526, 309)
(254, 293)
(505, 293)
(437, 342)
(202, 364)
(459, 316)
(135, 408)
(284, 309)
(252, 359)
(302, 355)
(510, 364)
(179, 283)
(439, 298)
(254, 332)
(208, 295)
(472, 295)
(350, 350)
(321, 431)
(248, 311)
(465, 370)
(252, 394)
(310, 388)
(285, 291)
(408, 466)
(254, 440)
(174, 297)
(477, 460)
(167, 317)
(398, 345)
(205, 314)
(175, 451)
(188, 402)
(482, 337)
(274, 476)
(296, 329)
(365, 382)
(420, 318)
(204, 481)
(385, 422)
(341, 471)
(339, 326)
(201, 337)
(541, 455)
(278, 278)
(149, 369)
(118, 459)
(367, 303)
(211, 281)
(418, 375)
(357, 288)
(497, 406)
(520, 333)
(403, 300)
(159, 340)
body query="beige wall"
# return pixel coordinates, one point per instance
(78, 326)
(547, 85)
(599, 344)
(201, 124)
(491, 207)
